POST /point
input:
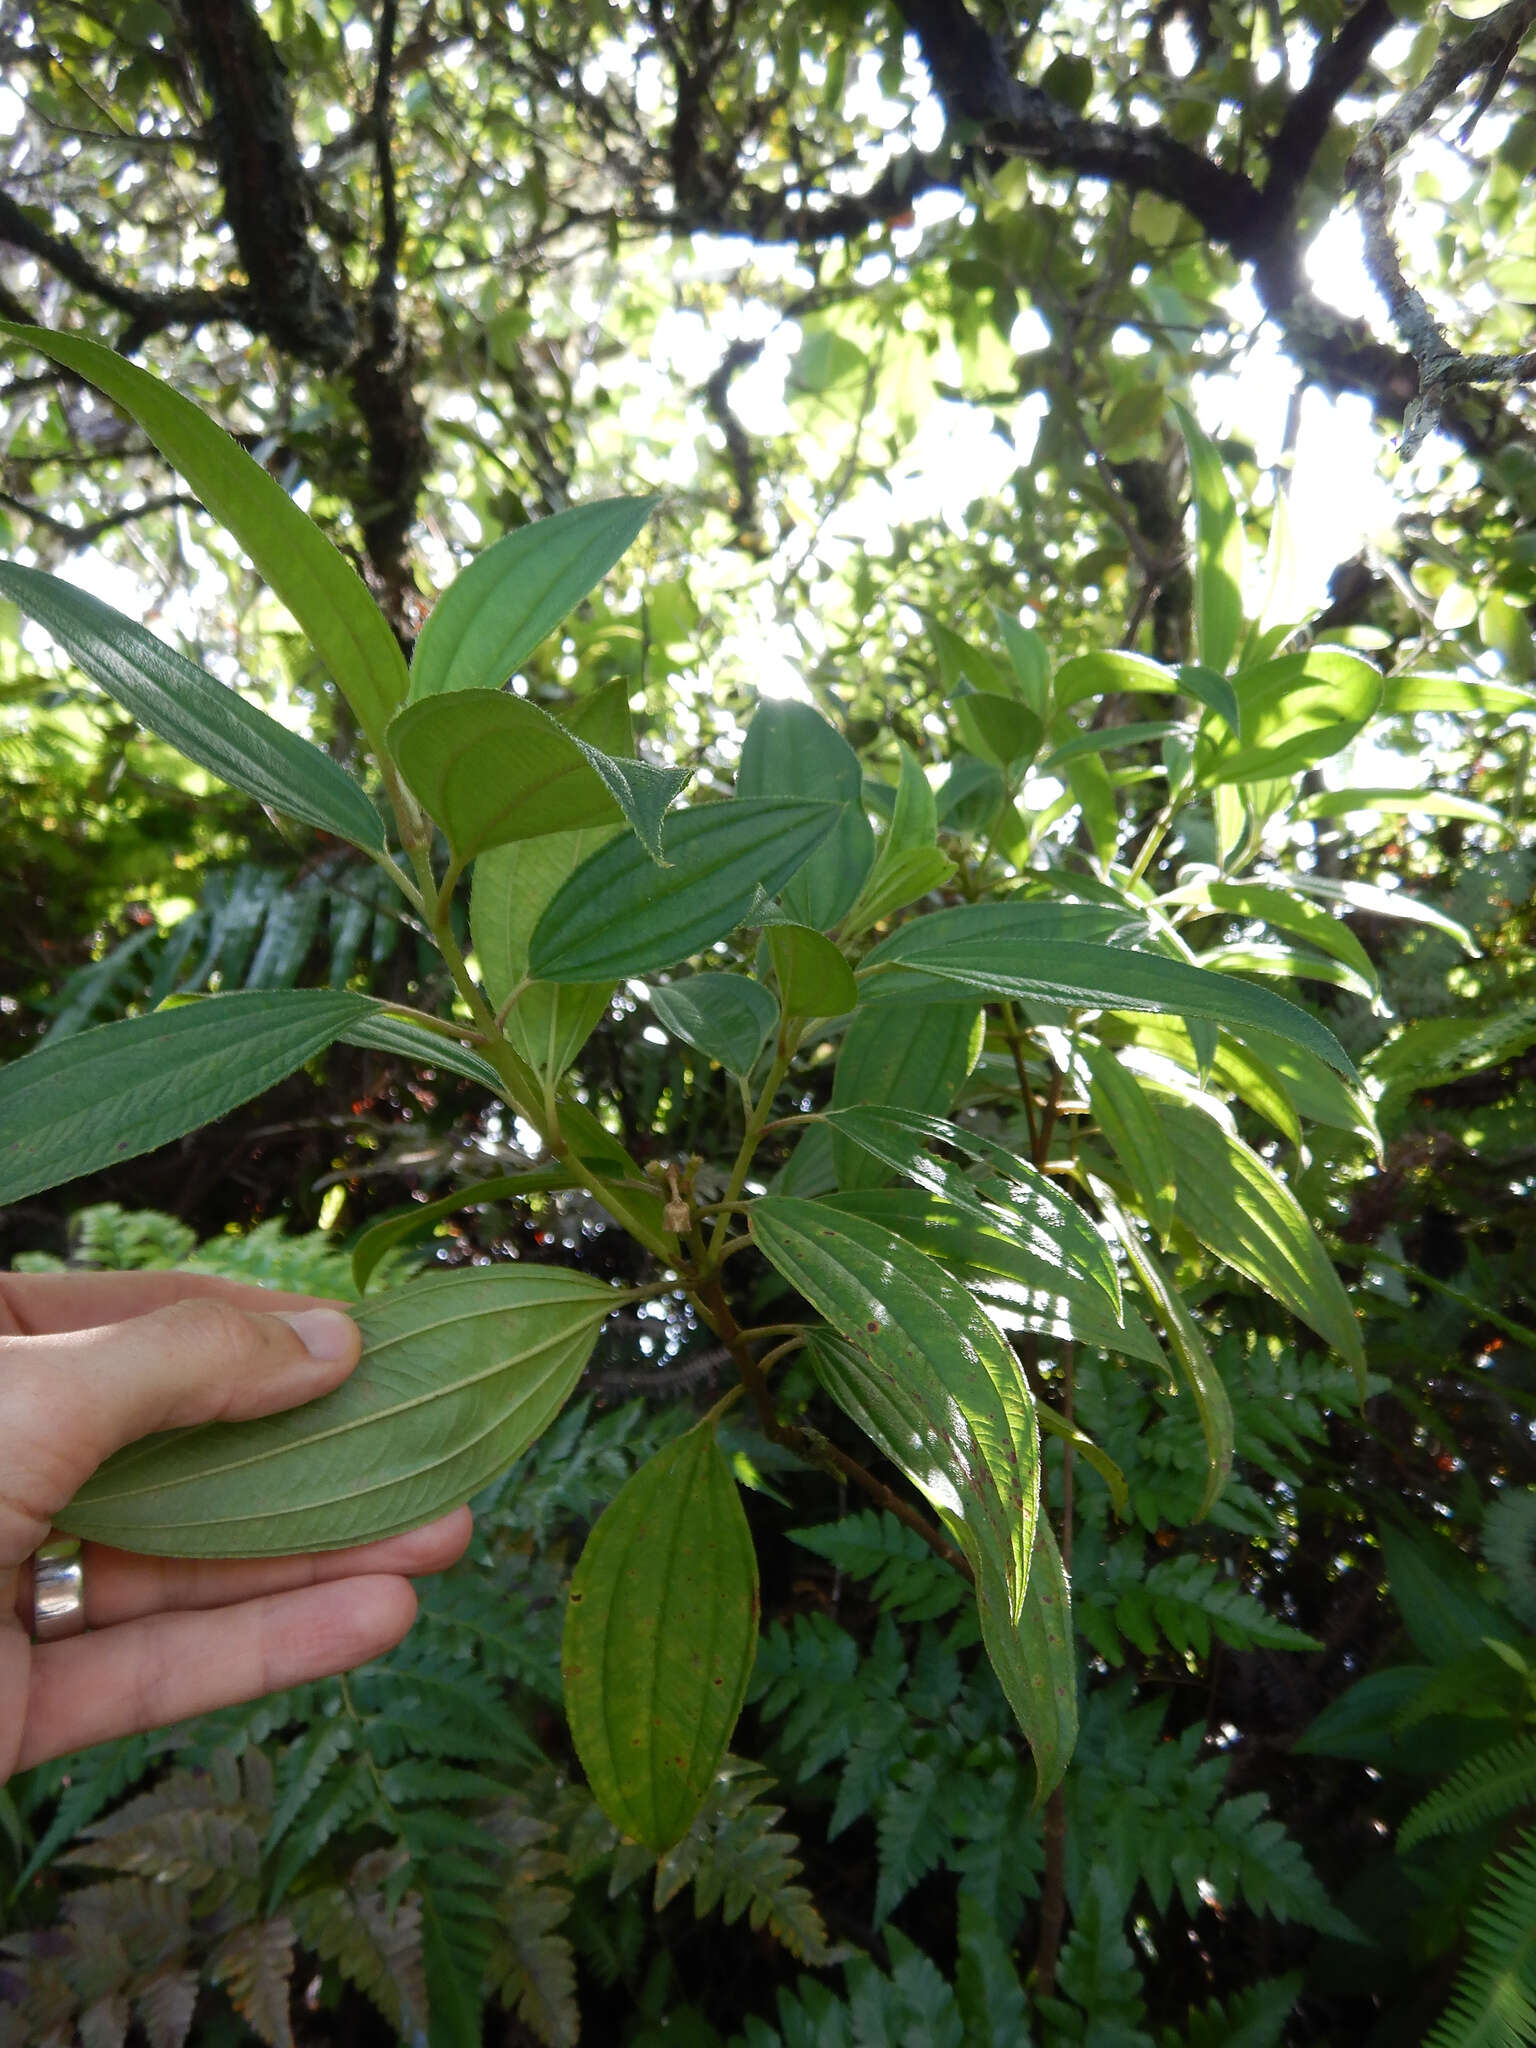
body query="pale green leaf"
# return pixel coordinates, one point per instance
(727, 1017)
(460, 1373)
(814, 979)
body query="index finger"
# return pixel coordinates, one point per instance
(50, 1304)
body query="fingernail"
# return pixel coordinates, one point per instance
(325, 1333)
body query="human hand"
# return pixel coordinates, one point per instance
(92, 1361)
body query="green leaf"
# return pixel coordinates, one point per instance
(209, 723)
(1239, 1210)
(102, 1096)
(620, 915)
(497, 610)
(1214, 692)
(1034, 1659)
(660, 1636)
(1049, 1222)
(895, 880)
(814, 979)
(1286, 963)
(1396, 803)
(1107, 672)
(1218, 550)
(549, 1024)
(791, 751)
(1127, 1116)
(972, 930)
(727, 1017)
(998, 1264)
(1188, 1347)
(492, 769)
(1069, 1433)
(638, 1204)
(377, 1030)
(404, 1226)
(323, 592)
(1105, 741)
(1029, 658)
(970, 796)
(1446, 1602)
(1297, 710)
(1079, 976)
(1395, 903)
(996, 728)
(914, 815)
(915, 1060)
(921, 1370)
(1401, 696)
(1287, 912)
(1438, 1050)
(959, 662)
(460, 1373)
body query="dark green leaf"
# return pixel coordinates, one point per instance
(209, 723)
(727, 1017)
(905, 1059)
(996, 728)
(791, 751)
(997, 1263)
(1242, 1212)
(1105, 741)
(380, 1031)
(460, 1373)
(323, 592)
(1079, 976)
(620, 915)
(1035, 1660)
(106, 1095)
(1127, 1115)
(1049, 1222)
(1188, 1347)
(921, 1370)
(495, 612)
(1030, 660)
(660, 1636)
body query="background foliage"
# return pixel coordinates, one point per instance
(892, 306)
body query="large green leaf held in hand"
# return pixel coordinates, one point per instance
(209, 723)
(321, 589)
(922, 1371)
(1045, 1220)
(727, 1017)
(791, 751)
(660, 1637)
(106, 1095)
(492, 769)
(619, 914)
(1076, 975)
(495, 612)
(460, 1373)
(1242, 1212)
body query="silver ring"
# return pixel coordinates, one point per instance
(58, 1590)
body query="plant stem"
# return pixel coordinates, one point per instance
(749, 1142)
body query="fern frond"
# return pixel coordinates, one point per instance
(255, 1966)
(1493, 2001)
(375, 1942)
(1509, 1544)
(532, 1967)
(164, 2006)
(1499, 1781)
(734, 1858)
(1255, 2018)
(904, 1576)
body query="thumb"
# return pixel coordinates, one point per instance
(68, 1401)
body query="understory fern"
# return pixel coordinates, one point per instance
(1493, 2001)
(1500, 1781)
